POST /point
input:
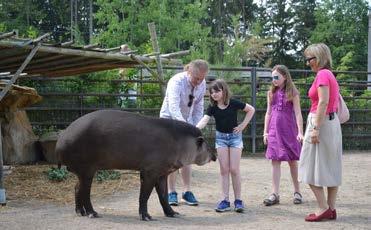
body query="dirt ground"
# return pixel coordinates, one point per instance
(120, 210)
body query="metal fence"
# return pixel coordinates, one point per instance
(64, 100)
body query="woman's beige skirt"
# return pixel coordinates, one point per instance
(321, 164)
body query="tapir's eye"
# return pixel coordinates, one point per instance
(200, 141)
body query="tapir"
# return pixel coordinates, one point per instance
(114, 139)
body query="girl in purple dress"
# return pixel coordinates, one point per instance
(283, 130)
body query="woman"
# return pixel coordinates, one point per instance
(320, 162)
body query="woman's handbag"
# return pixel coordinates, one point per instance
(343, 111)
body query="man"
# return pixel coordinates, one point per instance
(184, 101)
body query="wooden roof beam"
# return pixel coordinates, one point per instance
(85, 53)
(8, 35)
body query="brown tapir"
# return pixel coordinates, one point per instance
(113, 139)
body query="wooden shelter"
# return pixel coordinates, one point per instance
(34, 57)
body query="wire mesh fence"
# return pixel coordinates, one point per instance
(66, 99)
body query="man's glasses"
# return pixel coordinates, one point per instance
(309, 59)
(275, 77)
(191, 97)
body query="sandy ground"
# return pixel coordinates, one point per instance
(120, 210)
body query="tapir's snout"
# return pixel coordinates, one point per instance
(213, 155)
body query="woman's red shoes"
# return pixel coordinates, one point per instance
(334, 215)
(326, 215)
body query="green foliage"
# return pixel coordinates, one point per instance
(343, 27)
(103, 175)
(56, 174)
(224, 32)
(177, 23)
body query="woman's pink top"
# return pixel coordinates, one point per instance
(324, 77)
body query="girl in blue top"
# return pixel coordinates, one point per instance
(228, 140)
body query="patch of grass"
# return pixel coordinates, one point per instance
(103, 175)
(56, 174)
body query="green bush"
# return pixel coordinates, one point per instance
(103, 175)
(56, 174)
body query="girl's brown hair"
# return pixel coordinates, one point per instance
(290, 88)
(220, 85)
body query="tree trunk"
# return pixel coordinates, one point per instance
(19, 141)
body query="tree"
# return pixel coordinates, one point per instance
(343, 26)
(222, 20)
(305, 23)
(21, 15)
(178, 23)
(279, 25)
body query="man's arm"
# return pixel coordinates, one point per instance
(198, 109)
(173, 94)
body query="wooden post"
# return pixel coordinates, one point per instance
(2, 189)
(156, 49)
(90, 21)
(71, 26)
(253, 103)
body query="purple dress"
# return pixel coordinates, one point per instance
(282, 130)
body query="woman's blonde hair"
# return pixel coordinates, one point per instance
(220, 85)
(322, 54)
(290, 88)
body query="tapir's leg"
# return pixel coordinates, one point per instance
(147, 182)
(79, 208)
(161, 189)
(85, 187)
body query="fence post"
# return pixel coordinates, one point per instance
(2, 189)
(81, 103)
(253, 103)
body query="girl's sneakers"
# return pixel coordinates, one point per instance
(189, 198)
(223, 206)
(173, 198)
(272, 200)
(238, 206)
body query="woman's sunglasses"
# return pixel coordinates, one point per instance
(309, 59)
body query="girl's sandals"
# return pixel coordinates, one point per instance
(272, 199)
(298, 198)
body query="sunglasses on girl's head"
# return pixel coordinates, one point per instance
(191, 97)
(275, 77)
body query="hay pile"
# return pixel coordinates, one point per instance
(31, 182)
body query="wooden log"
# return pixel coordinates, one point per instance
(160, 74)
(90, 46)
(151, 54)
(85, 53)
(7, 35)
(67, 44)
(19, 141)
(176, 54)
(84, 69)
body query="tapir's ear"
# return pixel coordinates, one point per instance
(200, 141)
